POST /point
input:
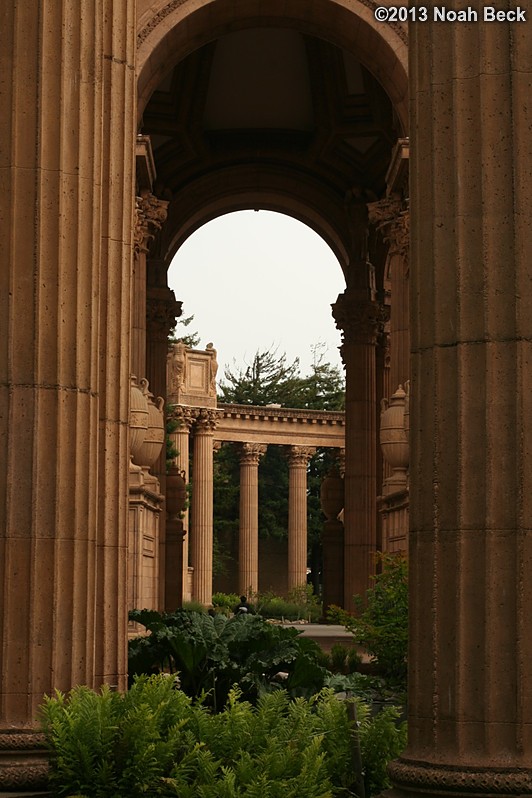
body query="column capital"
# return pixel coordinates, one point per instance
(251, 453)
(205, 420)
(299, 456)
(162, 310)
(391, 216)
(183, 415)
(150, 215)
(357, 317)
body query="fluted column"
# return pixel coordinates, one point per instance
(161, 311)
(184, 416)
(470, 657)
(358, 317)
(298, 460)
(201, 531)
(248, 541)
(57, 449)
(117, 180)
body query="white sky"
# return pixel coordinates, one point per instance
(257, 279)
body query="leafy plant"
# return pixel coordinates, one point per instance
(211, 653)
(382, 623)
(156, 741)
(300, 604)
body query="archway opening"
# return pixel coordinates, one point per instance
(256, 281)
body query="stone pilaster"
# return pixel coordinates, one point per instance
(298, 460)
(392, 218)
(358, 319)
(248, 542)
(201, 530)
(470, 658)
(65, 339)
(150, 215)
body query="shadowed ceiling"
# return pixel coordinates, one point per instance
(275, 98)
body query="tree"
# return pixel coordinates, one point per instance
(190, 339)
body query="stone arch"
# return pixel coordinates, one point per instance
(211, 197)
(169, 30)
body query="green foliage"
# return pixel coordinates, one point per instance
(211, 653)
(190, 339)
(155, 741)
(382, 624)
(300, 604)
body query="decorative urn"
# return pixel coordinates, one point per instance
(394, 441)
(138, 419)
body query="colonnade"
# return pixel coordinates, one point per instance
(200, 423)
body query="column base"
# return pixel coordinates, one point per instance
(413, 779)
(23, 763)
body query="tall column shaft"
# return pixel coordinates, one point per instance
(160, 318)
(248, 541)
(201, 532)
(298, 459)
(470, 659)
(357, 317)
(64, 363)
(118, 183)
(181, 440)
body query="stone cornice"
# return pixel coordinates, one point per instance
(282, 413)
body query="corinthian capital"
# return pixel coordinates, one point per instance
(299, 456)
(162, 310)
(205, 420)
(390, 216)
(357, 317)
(150, 215)
(250, 453)
(183, 415)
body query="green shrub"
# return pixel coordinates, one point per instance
(155, 741)
(211, 653)
(381, 625)
(300, 605)
(225, 600)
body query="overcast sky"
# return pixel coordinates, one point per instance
(254, 280)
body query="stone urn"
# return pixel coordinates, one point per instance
(332, 495)
(138, 419)
(155, 435)
(394, 441)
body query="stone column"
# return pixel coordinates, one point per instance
(358, 317)
(162, 309)
(201, 510)
(248, 541)
(470, 657)
(184, 416)
(298, 459)
(63, 432)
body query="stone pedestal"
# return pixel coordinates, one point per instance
(145, 502)
(201, 508)
(298, 459)
(470, 657)
(358, 318)
(248, 541)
